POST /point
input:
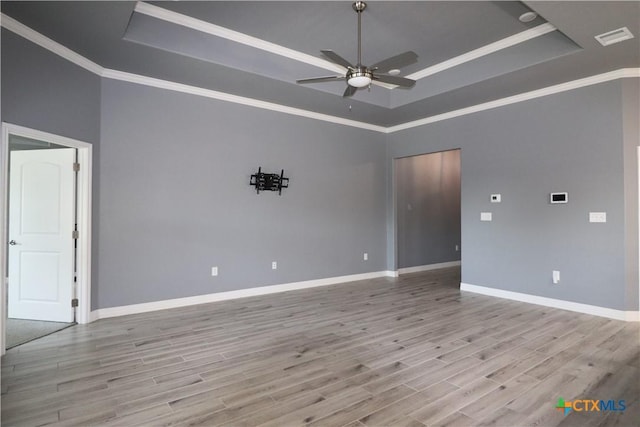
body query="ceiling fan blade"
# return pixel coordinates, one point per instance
(394, 80)
(349, 91)
(320, 79)
(334, 57)
(398, 61)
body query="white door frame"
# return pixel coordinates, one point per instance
(83, 254)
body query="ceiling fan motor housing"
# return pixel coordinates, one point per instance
(359, 77)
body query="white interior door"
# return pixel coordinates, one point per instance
(41, 224)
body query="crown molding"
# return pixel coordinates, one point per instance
(66, 53)
(238, 37)
(43, 41)
(550, 90)
(529, 34)
(222, 96)
(218, 31)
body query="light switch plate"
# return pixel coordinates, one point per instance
(485, 216)
(597, 217)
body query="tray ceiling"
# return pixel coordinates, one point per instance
(468, 52)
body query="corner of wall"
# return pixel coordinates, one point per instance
(631, 139)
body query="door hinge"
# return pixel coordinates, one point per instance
(74, 302)
(76, 167)
(75, 234)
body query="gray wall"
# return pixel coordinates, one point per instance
(42, 91)
(428, 208)
(572, 141)
(171, 197)
(175, 198)
(631, 129)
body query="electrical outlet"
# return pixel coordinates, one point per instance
(555, 276)
(457, 248)
(214, 271)
(597, 217)
(486, 216)
(274, 265)
(365, 256)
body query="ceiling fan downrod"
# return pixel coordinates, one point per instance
(359, 76)
(359, 7)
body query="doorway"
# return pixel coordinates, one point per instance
(427, 210)
(46, 217)
(41, 252)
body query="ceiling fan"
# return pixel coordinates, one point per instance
(360, 76)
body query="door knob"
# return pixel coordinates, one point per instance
(13, 242)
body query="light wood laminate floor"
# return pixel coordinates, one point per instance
(410, 351)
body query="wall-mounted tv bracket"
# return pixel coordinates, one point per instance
(269, 181)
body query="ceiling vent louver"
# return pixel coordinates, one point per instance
(614, 36)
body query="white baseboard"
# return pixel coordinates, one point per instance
(632, 316)
(629, 316)
(104, 313)
(428, 267)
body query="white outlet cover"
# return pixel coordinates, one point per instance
(597, 217)
(366, 256)
(486, 216)
(214, 271)
(274, 265)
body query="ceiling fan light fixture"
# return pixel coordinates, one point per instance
(359, 81)
(360, 77)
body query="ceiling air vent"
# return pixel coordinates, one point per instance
(614, 36)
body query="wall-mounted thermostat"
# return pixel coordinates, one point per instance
(559, 198)
(496, 198)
